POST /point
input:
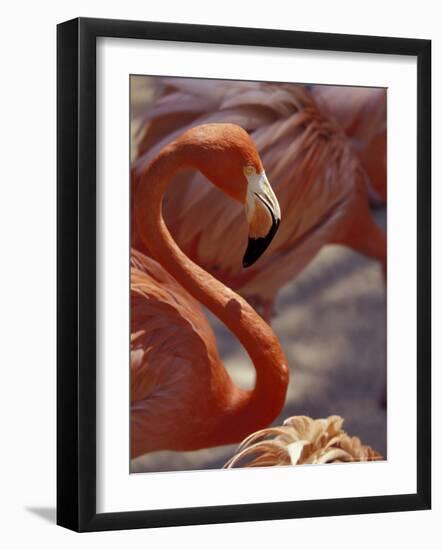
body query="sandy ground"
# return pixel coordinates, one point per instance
(332, 325)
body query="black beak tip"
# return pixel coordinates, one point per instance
(256, 247)
(247, 260)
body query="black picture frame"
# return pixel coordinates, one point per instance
(76, 273)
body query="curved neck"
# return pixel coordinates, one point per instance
(248, 410)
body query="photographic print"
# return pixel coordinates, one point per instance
(258, 274)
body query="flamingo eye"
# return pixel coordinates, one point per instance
(249, 170)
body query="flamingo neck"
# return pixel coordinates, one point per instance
(245, 411)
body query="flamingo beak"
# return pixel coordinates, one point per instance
(263, 214)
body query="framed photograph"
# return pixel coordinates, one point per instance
(243, 274)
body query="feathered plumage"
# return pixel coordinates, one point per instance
(301, 440)
(173, 357)
(362, 113)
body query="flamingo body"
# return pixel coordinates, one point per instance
(178, 383)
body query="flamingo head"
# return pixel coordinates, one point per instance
(227, 156)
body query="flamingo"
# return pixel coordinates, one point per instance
(182, 397)
(362, 113)
(316, 173)
(302, 440)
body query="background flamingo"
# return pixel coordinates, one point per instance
(182, 398)
(316, 172)
(362, 113)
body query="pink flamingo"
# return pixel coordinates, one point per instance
(182, 397)
(315, 170)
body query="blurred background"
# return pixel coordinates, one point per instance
(331, 321)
